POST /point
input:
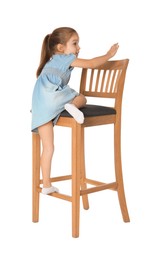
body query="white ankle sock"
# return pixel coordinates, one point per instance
(75, 112)
(49, 190)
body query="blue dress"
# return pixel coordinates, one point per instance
(51, 91)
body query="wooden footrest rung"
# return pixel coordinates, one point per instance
(61, 196)
(59, 178)
(99, 187)
(58, 195)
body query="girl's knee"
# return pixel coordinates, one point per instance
(83, 99)
(79, 101)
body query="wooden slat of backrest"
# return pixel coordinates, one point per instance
(102, 81)
(97, 81)
(91, 80)
(117, 80)
(113, 80)
(108, 82)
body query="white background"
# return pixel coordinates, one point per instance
(103, 234)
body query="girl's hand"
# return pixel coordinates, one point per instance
(112, 51)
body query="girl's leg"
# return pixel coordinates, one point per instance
(47, 138)
(78, 102)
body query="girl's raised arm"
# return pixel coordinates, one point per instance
(97, 61)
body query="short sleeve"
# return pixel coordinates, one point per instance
(69, 59)
(64, 61)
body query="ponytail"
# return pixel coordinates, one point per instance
(45, 54)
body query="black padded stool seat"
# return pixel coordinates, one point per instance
(93, 110)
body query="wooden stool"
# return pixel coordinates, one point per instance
(105, 82)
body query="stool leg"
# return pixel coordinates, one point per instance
(35, 176)
(76, 162)
(118, 172)
(83, 172)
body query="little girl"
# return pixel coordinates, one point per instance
(52, 95)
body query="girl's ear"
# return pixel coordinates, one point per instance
(60, 47)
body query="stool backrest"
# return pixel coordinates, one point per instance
(106, 81)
